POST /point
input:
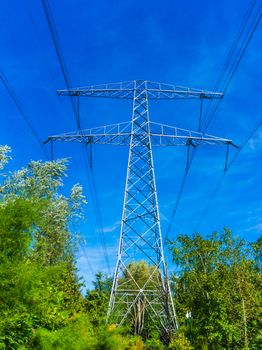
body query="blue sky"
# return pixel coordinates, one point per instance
(185, 43)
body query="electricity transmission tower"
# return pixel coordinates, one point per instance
(134, 298)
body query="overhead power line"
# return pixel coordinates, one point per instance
(219, 183)
(247, 39)
(44, 56)
(231, 52)
(60, 56)
(238, 37)
(232, 62)
(22, 111)
(75, 107)
(236, 61)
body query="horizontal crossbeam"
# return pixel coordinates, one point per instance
(120, 135)
(155, 91)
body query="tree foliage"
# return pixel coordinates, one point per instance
(219, 283)
(39, 285)
(97, 299)
(136, 276)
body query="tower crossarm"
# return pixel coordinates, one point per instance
(155, 91)
(120, 135)
(165, 135)
(114, 134)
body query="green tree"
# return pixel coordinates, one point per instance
(136, 276)
(37, 181)
(141, 320)
(39, 286)
(219, 284)
(97, 299)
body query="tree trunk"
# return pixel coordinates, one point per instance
(138, 316)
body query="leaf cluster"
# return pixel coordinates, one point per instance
(218, 281)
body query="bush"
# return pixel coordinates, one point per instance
(180, 342)
(77, 335)
(154, 344)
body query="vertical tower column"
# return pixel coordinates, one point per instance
(140, 288)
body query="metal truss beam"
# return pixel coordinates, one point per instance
(120, 135)
(155, 91)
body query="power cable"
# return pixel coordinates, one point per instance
(236, 62)
(231, 51)
(218, 185)
(232, 71)
(248, 38)
(45, 59)
(53, 31)
(22, 112)
(235, 44)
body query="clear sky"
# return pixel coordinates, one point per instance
(180, 42)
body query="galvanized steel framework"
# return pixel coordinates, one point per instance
(140, 236)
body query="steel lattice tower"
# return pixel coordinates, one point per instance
(140, 236)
